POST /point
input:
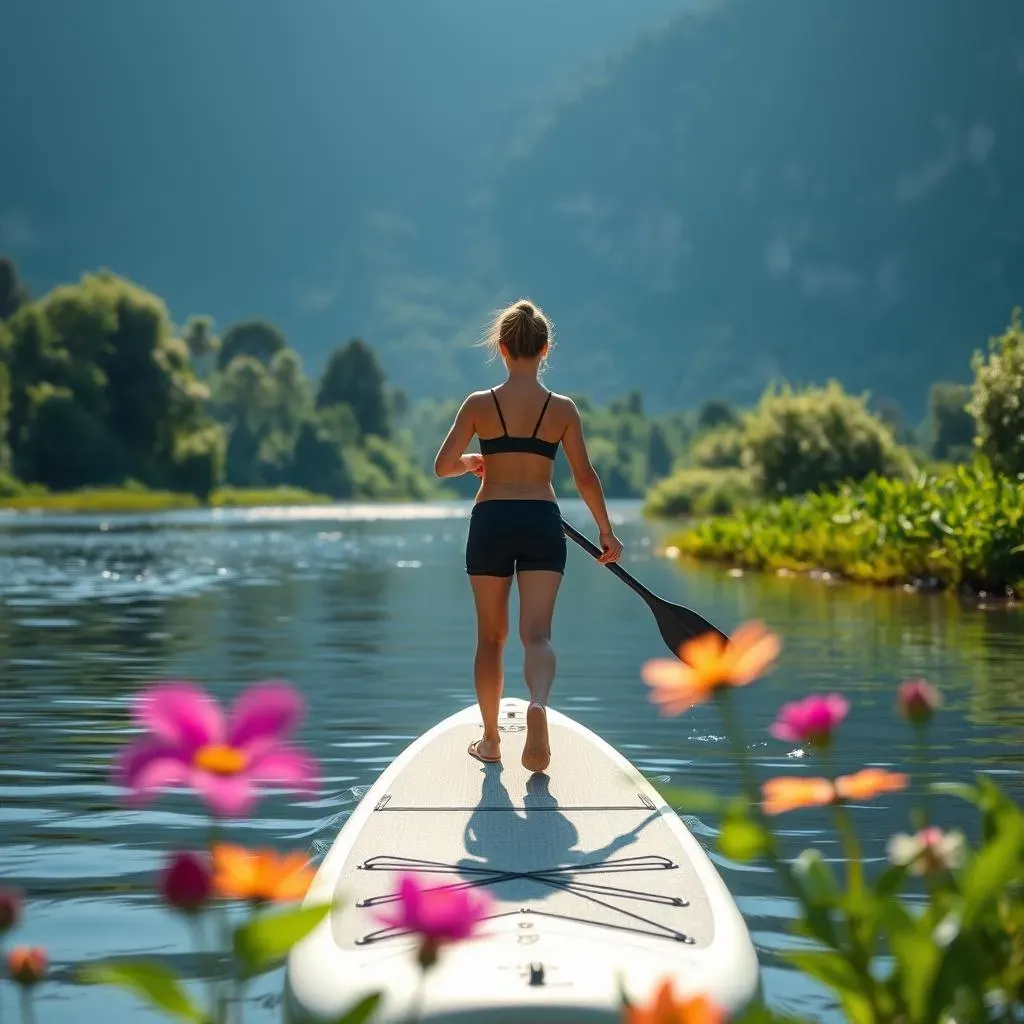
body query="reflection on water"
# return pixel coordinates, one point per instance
(367, 610)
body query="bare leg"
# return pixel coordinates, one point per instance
(490, 593)
(537, 592)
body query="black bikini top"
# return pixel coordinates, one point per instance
(532, 445)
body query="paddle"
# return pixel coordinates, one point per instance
(675, 623)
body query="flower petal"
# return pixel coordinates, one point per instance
(665, 672)
(755, 652)
(181, 713)
(147, 767)
(266, 711)
(285, 766)
(229, 796)
(234, 871)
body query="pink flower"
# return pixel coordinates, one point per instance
(928, 851)
(811, 720)
(918, 700)
(436, 915)
(192, 744)
(187, 882)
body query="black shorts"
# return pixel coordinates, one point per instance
(510, 535)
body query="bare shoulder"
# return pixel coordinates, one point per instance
(472, 401)
(564, 406)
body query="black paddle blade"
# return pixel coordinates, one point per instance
(678, 625)
(675, 623)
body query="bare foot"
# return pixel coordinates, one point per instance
(488, 751)
(537, 749)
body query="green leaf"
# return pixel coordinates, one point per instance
(692, 800)
(262, 943)
(835, 971)
(362, 1011)
(963, 790)
(156, 984)
(916, 953)
(997, 864)
(819, 894)
(742, 839)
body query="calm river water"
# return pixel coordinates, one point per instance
(367, 610)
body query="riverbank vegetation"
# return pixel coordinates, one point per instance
(105, 403)
(812, 479)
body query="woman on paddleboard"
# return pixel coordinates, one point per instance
(516, 526)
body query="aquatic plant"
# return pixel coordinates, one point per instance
(952, 955)
(961, 528)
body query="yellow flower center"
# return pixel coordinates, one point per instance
(219, 759)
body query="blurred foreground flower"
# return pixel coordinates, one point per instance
(665, 1008)
(27, 965)
(869, 783)
(438, 916)
(709, 663)
(929, 851)
(811, 720)
(792, 793)
(186, 884)
(918, 700)
(10, 909)
(191, 744)
(259, 876)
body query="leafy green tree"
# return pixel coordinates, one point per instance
(259, 339)
(718, 448)
(13, 294)
(948, 424)
(319, 463)
(997, 399)
(291, 401)
(716, 412)
(799, 441)
(98, 361)
(246, 394)
(201, 340)
(354, 377)
(660, 456)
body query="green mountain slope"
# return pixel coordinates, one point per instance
(803, 189)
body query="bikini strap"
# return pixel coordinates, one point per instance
(500, 417)
(541, 416)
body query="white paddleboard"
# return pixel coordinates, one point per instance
(595, 879)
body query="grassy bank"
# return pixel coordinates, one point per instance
(962, 527)
(139, 500)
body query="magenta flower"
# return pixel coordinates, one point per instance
(811, 720)
(187, 882)
(918, 700)
(436, 915)
(192, 744)
(10, 909)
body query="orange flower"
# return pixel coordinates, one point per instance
(665, 1008)
(707, 663)
(262, 876)
(27, 965)
(792, 793)
(869, 783)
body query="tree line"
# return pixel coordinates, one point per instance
(98, 387)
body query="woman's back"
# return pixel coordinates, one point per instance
(520, 424)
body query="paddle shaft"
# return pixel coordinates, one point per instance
(591, 548)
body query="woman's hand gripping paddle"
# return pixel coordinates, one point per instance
(675, 623)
